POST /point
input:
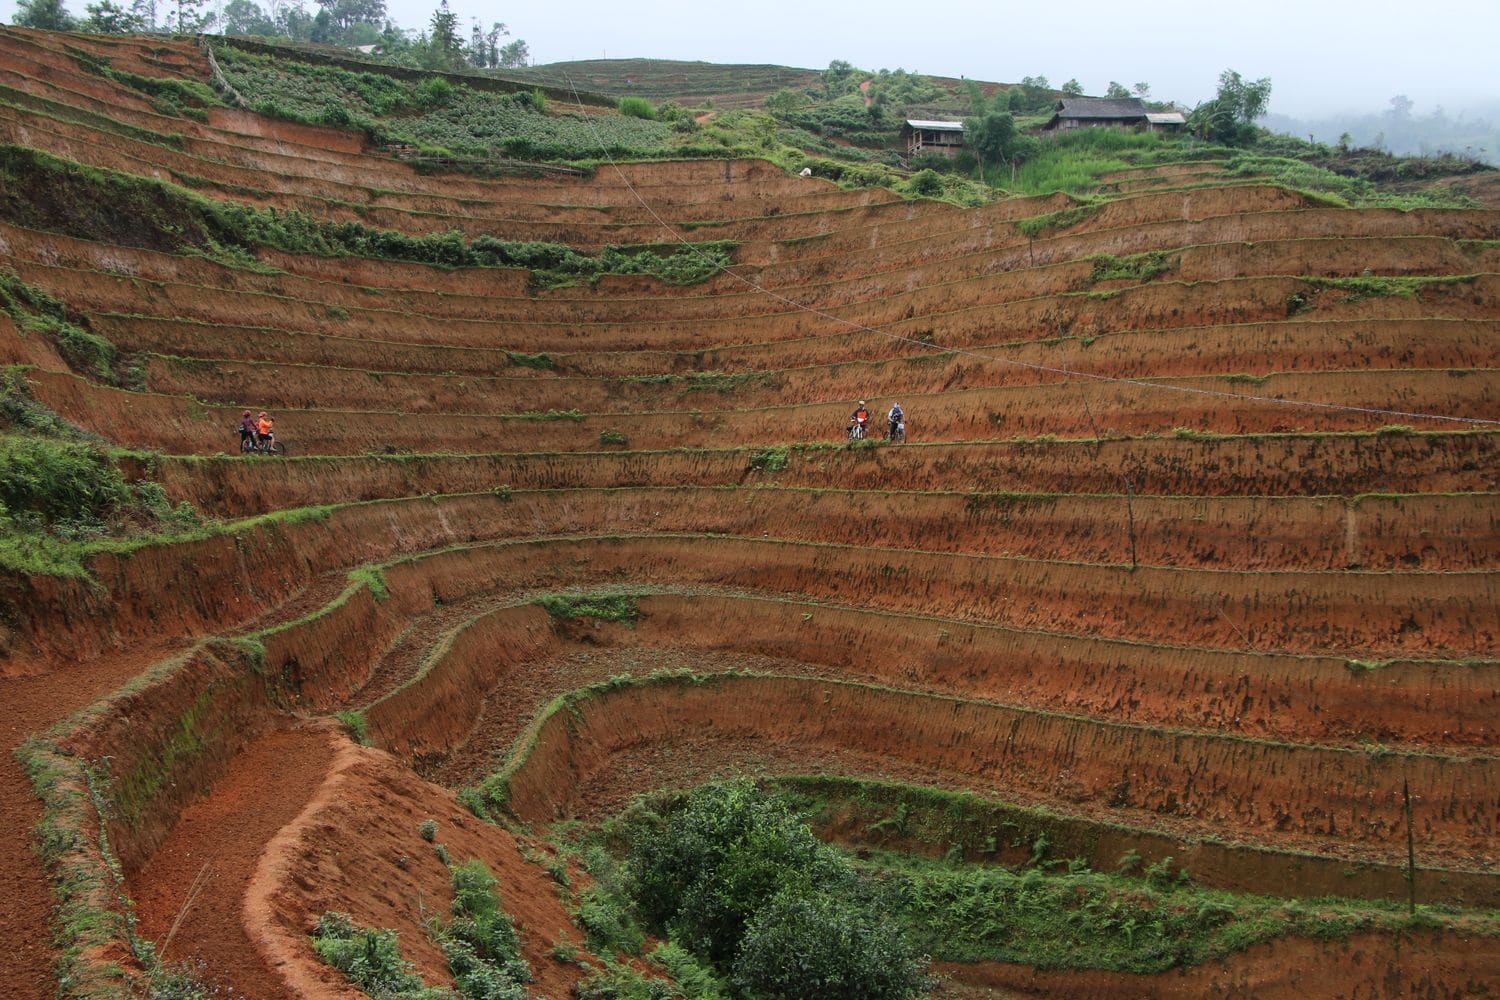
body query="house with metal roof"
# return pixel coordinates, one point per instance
(932, 137)
(1111, 112)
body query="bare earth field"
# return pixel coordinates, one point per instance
(1203, 564)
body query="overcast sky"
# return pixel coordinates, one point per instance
(1321, 55)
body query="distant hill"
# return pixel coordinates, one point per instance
(728, 85)
(1473, 133)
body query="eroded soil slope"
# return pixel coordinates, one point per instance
(1192, 546)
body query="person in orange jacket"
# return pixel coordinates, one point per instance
(264, 425)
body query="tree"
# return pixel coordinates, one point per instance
(822, 946)
(343, 14)
(515, 53)
(1142, 90)
(444, 49)
(840, 78)
(46, 14)
(1230, 117)
(323, 29)
(1036, 94)
(1117, 90)
(109, 18)
(786, 100)
(1072, 88)
(1401, 106)
(188, 17)
(992, 138)
(244, 17)
(484, 46)
(293, 21)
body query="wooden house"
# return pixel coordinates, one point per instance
(932, 137)
(1111, 112)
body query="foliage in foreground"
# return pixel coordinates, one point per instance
(736, 877)
(61, 494)
(480, 944)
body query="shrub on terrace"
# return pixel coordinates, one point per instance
(637, 107)
(738, 878)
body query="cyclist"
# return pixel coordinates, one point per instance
(264, 425)
(858, 420)
(893, 421)
(248, 431)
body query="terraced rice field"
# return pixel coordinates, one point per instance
(1198, 562)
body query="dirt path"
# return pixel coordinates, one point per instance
(28, 705)
(202, 869)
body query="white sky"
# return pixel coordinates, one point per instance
(1321, 55)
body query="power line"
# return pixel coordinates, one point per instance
(1065, 373)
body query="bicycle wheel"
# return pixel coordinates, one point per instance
(246, 446)
(276, 448)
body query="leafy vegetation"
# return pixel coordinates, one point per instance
(1137, 267)
(739, 880)
(371, 958)
(480, 942)
(41, 191)
(61, 495)
(434, 114)
(34, 311)
(604, 607)
(769, 459)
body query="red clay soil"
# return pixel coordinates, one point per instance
(1269, 465)
(355, 848)
(30, 705)
(1364, 966)
(199, 874)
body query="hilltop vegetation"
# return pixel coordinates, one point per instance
(842, 124)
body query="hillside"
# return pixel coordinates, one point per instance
(1112, 678)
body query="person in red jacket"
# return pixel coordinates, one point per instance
(859, 421)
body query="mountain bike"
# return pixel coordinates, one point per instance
(259, 446)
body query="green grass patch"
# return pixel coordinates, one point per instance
(524, 360)
(1382, 287)
(373, 578)
(769, 459)
(604, 607)
(1136, 267)
(371, 959)
(35, 312)
(1042, 225)
(355, 725)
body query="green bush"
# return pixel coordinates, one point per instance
(818, 946)
(926, 183)
(481, 946)
(739, 879)
(707, 871)
(637, 107)
(58, 480)
(434, 92)
(605, 607)
(371, 959)
(623, 983)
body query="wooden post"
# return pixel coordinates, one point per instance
(1411, 854)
